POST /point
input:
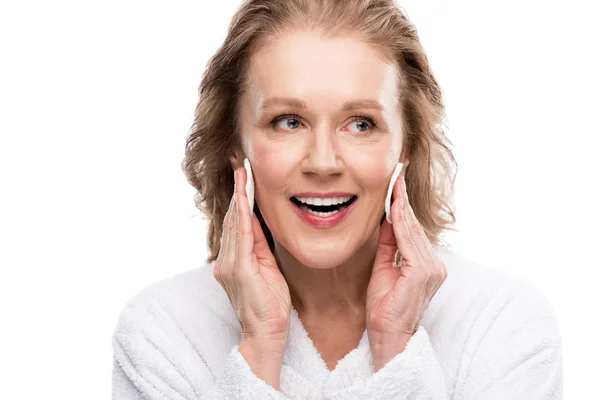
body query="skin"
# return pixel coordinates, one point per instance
(342, 276)
(322, 149)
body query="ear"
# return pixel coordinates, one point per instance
(236, 160)
(405, 160)
(405, 163)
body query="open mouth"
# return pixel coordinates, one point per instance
(323, 207)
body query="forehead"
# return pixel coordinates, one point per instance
(316, 69)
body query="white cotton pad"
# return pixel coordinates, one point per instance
(388, 198)
(249, 185)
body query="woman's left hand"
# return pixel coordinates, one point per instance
(397, 297)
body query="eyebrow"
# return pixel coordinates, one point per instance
(349, 105)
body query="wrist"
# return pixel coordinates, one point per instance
(384, 350)
(264, 359)
(270, 343)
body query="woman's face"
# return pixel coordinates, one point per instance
(306, 130)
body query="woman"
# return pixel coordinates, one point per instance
(302, 297)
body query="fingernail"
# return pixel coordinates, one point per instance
(404, 185)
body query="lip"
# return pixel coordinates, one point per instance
(323, 222)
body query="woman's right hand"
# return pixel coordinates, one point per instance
(247, 270)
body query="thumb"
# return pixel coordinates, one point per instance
(386, 247)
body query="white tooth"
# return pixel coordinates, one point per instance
(321, 201)
(321, 214)
(340, 200)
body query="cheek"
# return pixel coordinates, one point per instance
(372, 169)
(374, 182)
(273, 164)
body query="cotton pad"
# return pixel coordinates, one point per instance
(249, 185)
(388, 198)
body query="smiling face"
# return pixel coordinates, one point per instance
(307, 128)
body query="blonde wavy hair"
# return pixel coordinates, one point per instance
(214, 134)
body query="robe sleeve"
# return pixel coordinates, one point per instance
(415, 373)
(122, 387)
(153, 359)
(513, 351)
(517, 352)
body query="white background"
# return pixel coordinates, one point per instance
(96, 99)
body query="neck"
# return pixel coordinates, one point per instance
(337, 291)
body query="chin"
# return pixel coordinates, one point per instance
(322, 255)
(322, 261)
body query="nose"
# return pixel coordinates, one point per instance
(322, 157)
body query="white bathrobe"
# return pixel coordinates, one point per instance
(487, 335)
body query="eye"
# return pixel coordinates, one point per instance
(364, 123)
(292, 122)
(287, 125)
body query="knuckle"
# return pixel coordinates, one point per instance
(400, 211)
(444, 272)
(227, 274)
(235, 273)
(406, 237)
(416, 229)
(217, 275)
(426, 276)
(230, 225)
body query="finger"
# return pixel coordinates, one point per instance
(417, 232)
(245, 234)
(235, 221)
(261, 246)
(404, 238)
(230, 233)
(233, 263)
(400, 193)
(226, 260)
(222, 257)
(386, 247)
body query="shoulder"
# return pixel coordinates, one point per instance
(179, 324)
(190, 293)
(473, 280)
(480, 300)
